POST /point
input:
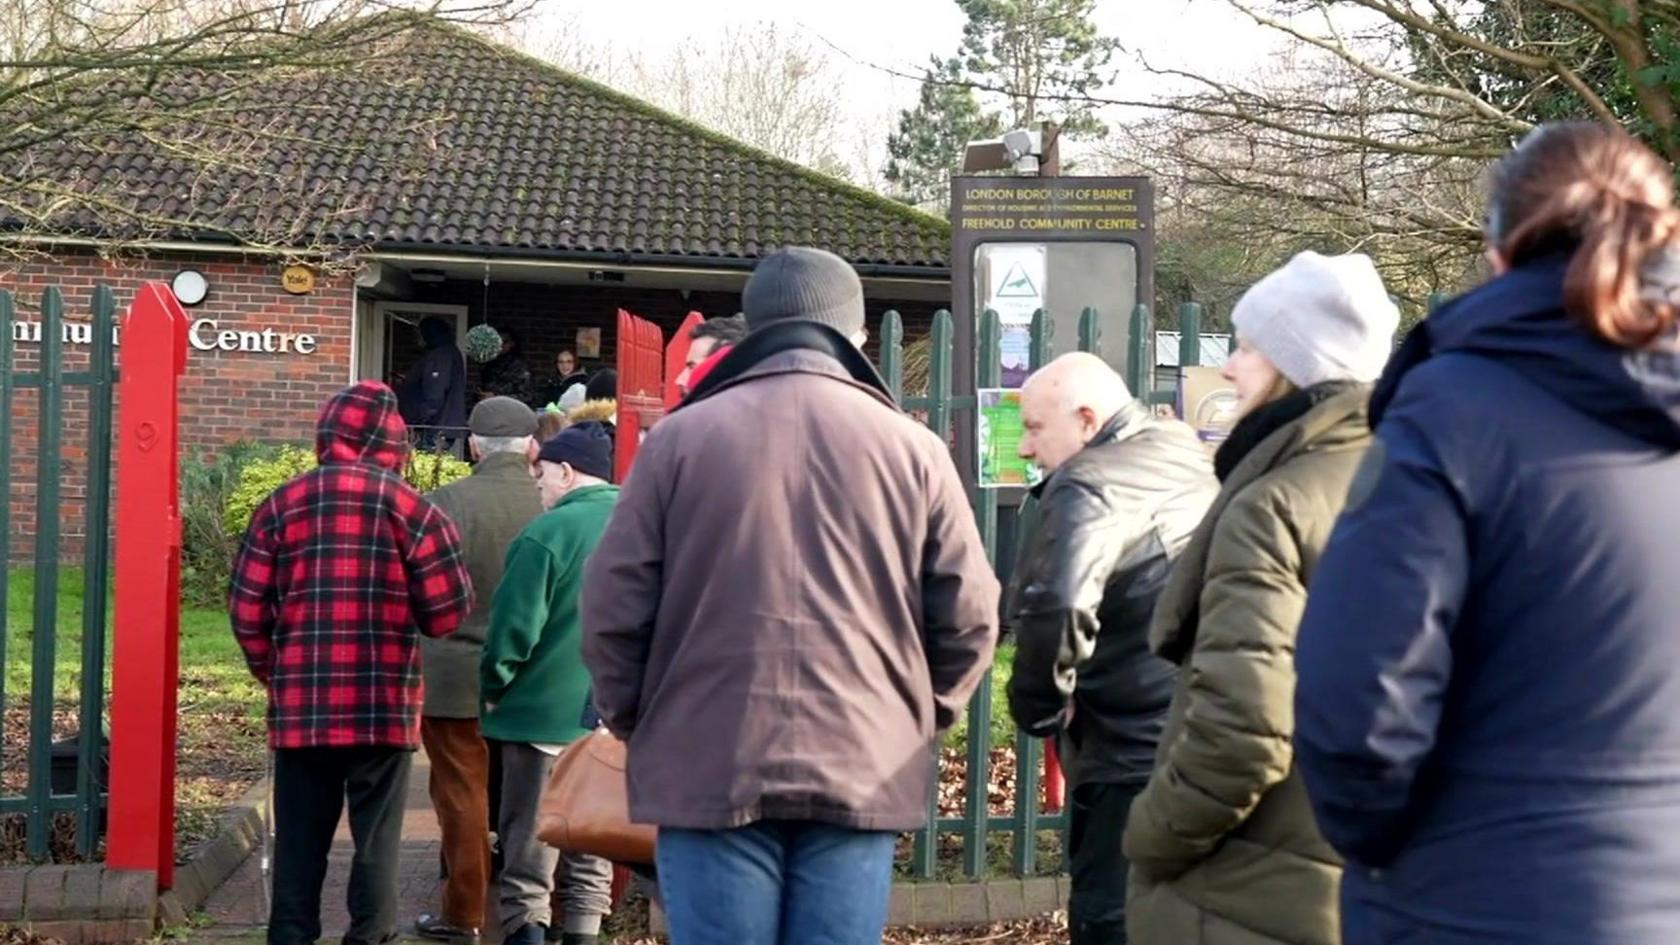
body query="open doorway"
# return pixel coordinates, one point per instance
(389, 339)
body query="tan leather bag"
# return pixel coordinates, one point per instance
(586, 806)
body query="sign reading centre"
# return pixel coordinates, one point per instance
(206, 334)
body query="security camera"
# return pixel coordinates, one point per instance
(1019, 144)
(1016, 151)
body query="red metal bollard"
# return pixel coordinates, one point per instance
(1055, 786)
(146, 646)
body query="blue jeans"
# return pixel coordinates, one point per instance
(776, 882)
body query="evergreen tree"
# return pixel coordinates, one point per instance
(926, 148)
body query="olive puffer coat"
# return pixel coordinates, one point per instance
(1222, 844)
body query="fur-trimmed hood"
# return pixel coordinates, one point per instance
(602, 411)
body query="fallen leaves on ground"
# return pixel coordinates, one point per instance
(1048, 929)
(1042, 930)
(1000, 781)
(16, 936)
(222, 754)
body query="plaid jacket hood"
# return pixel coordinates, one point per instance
(340, 571)
(362, 424)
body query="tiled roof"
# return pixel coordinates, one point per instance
(476, 149)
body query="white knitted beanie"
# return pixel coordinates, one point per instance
(1320, 318)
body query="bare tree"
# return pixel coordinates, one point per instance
(105, 99)
(756, 84)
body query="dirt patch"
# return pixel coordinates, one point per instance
(222, 754)
(11, 936)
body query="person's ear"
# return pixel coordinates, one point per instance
(1497, 263)
(1089, 424)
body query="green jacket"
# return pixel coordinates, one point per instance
(1222, 843)
(531, 671)
(488, 508)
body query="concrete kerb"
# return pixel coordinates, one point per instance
(933, 905)
(240, 835)
(85, 903)
(79, 904)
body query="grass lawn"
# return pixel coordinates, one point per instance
(221, 706)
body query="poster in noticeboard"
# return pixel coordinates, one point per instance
(589, 343)
(999, 439)
(1208, 402)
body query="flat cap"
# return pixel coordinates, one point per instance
(502, 416)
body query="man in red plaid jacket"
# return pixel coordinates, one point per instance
(340, 570)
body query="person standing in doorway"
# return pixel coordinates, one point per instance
(341, 570)
(433, 394)
(1222, 842)
(1122, 494)
(490, 508)
(780, 722)
(535, 687)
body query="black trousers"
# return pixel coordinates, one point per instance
(311, 786)
(1096, 824)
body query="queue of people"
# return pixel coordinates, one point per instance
(1394, 664)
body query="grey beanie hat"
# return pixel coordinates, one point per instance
(799, 282)
(1320, 318)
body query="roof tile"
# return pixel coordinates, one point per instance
(485, 149)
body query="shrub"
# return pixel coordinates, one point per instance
(207, 547)
(257, 480)
(427, 471)
(423, 471)
(1002, 726)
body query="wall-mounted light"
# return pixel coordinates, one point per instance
(190, 286)
(605, 275)
(429, 276)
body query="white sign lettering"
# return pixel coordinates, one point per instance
(207, 335)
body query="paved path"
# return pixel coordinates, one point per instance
(238, 905)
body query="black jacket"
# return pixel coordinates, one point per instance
(434, 392)
(1111, 521)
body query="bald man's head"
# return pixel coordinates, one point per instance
(1064, 405)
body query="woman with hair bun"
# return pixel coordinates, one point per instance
(1487, 712)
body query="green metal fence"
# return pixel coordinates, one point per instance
(940, 405)
(40, 801)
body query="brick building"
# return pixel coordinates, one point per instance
(481, 185)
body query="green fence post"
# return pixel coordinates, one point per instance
(1040, 349)
(96, 573)
(1139, 360)
(925, 853)
(1026, 804)
(1090, 331)
(45, 630)
(976, 810)
(892, 353)
(1190, 334)
(939, 375)
(6, 386)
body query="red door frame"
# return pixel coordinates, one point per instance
(641, 387)
(676, 357)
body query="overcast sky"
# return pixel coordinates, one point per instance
(1208, 36)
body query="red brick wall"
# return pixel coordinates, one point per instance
(225, 396)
